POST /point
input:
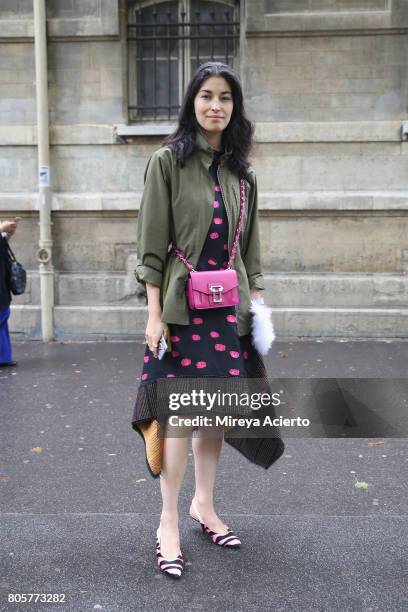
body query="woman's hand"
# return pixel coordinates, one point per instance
(154, 330)
(155, 327)
(9, 227)
(256, 294)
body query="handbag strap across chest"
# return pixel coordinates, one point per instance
(237, 233)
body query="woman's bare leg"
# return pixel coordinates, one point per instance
(171, 477)
(206, 449)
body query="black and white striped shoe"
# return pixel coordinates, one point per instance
(174, 567)
(222, 539)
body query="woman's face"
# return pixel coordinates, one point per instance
(213, 104)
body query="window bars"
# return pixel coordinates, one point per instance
(165, 48)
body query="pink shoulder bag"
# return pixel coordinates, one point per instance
(214, 288)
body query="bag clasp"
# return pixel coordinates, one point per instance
(216, 291)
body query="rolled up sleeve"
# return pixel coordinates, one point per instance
(153, 225)
(251, 254)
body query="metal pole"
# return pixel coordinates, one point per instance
(44, 253)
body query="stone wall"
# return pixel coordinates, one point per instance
(326, 83)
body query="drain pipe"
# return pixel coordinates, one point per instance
(44, 253)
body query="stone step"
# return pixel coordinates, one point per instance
(338, 291)
(282, 290)
(127, 323)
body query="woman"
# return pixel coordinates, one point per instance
(191, 199)
(7, 229)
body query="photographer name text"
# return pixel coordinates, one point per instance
(230, 421)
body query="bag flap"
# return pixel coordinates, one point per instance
(201, 281)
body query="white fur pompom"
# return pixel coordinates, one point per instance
(263, 333)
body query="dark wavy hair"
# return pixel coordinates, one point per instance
(237, 136)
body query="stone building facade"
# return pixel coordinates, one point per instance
(326, 82)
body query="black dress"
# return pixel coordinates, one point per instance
(209, 347)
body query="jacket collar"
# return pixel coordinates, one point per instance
(203, 145)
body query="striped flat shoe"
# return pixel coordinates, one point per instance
(174, 567)
(222, 539)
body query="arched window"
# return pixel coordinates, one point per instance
(167, 41)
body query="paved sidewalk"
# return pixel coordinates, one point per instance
(79, 509)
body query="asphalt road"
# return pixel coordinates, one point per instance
(325, 528)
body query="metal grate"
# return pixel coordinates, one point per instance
(166, 47)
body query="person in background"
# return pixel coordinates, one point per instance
(7, 229)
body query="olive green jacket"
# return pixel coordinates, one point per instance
(177, 205)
